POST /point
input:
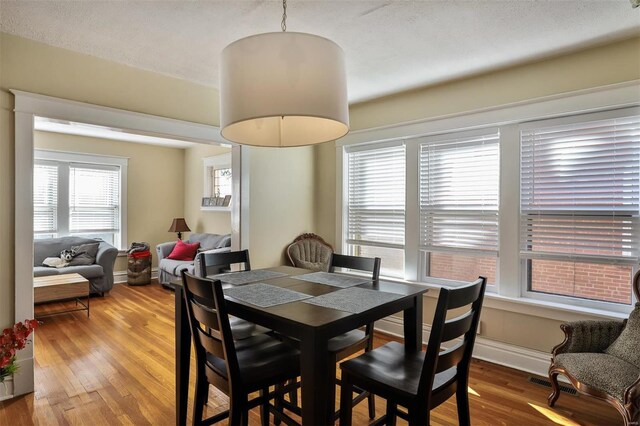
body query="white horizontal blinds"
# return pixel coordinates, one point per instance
(459, 194)
(580, 190)
(45, 198)
(94, 198)
(376, 196)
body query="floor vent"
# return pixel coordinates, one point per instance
(546, 383)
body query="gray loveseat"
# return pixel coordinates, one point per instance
(169, 270)
(99, 274)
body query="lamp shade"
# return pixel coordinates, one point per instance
(283, 89)
(179, 225)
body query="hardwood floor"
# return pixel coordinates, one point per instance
(117, 367)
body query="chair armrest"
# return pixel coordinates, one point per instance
(589, 336)
(106, 257)
(632, 396)
(164, 249)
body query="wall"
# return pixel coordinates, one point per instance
(155, 177)
(599, 66)
(198, 220)
(38, 68)
(281, 201)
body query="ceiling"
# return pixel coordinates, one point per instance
(390, 45)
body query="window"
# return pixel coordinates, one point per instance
(580, 206)
(376, 205)
(75, 194)
(459, 199)
(218, 182)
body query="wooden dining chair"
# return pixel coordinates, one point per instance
(416, 380)
(214, 263)
(237, 368)
(347, 344)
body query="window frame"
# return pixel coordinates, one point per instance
(64, 160)
(525, 262)
(213, 163)
(510, 291)
(425, 254)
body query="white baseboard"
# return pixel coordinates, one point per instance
(120, 277)
(524, 359)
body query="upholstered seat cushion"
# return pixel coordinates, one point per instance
(603, 372)
(627, 345)
(175, 267)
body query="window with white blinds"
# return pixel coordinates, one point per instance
(79, 194)
(94, 199)
(376, 204)
(580, 190)
(459, 194)
(45, 199)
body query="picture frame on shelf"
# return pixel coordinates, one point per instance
(226, 201)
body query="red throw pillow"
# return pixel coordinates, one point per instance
(184, 251)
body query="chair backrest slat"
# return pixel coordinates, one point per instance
(451, 357)
(465, 325)
(458, 326)
(209, 322)
(213, 263)
(366, 264)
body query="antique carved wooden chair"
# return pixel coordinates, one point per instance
(310, 251)
(602, 359)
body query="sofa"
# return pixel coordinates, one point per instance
(169, 270)
(99, 274)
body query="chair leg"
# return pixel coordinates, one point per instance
(236, 411)
(419, 415)
(293, 393)
(555, 393)
(264, 408)
(202, 388)
(371, 400)
(392, 413)
(462, 400)
(346, 402)
(278, 402)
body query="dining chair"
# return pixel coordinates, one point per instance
(214, 263)
(347, 344)
(237, 368)
(417, 380)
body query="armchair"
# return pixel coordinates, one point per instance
(310, 251)
(602, 359)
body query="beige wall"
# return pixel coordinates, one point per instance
(155, 177)
(198, 220)
(281, 201)
(600, 66)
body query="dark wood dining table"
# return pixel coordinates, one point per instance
(312, 325)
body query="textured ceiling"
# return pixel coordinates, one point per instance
(390, 45)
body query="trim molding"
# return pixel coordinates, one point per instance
(517, 357)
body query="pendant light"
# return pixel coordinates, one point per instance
(283, 89)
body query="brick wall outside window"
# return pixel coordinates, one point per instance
(611, 283)
(462, 268)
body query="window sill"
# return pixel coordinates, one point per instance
(532, 307)
(215, 209)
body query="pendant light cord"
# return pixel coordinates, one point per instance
(283, 25)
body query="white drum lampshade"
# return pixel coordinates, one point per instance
(283, 89)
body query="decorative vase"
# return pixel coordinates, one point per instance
(6, 388)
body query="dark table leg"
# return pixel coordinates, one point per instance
(413, 325)
(316, 381)
(183, 355)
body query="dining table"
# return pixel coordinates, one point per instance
(309, 321)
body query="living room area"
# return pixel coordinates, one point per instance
(463, 175)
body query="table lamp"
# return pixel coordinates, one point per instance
(179, 225)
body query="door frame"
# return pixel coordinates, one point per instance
(31, 105)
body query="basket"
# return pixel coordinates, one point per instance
(139, 268)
